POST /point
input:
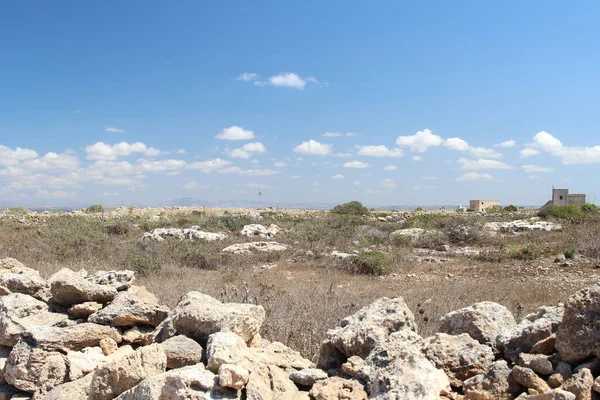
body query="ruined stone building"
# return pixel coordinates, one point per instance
(561, 197)
(483, 205)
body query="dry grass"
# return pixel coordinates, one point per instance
(305, 294)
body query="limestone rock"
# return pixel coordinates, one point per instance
(115, 377)
(360, 333)
(529, 379)
(83, 362)
(74, 337)
(484, 321)
(336, 389)
(555, 394)
(17, 278)
(4, 353)
(181, 351)
(497, 383)
(533, 329)
(128, 309)
(353, 366)
(19, 312)
(596, 386)
(538, 363)
(250, 248)
(84, 310)
(191, 233)
(34, 370)
(578, 336)
(254, 230)
(461, 357)
(270, 381)
(120, 280)
(75, 390)
(108, 345)
(308, 377)
(233, 376)
(69, 288)
(139, 335)
(580, 385)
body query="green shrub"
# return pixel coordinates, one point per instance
(494, 209)
(572, 213)
(369, 235)
(370, 263)
(118, 228)
(470, 210)
(96, 208)
(18, 210)
(185, 222)
(532, 251)
(419, 209)
(350, 208)
(195, 258)
(229, 221)
(570, 252)
(402, 240)
(425, 221)
(143, 265)
(589, 208)
(511, 208)
(430, 240)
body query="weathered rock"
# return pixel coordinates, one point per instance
(19, 312)
(17, 278)
(83, 362)
(353, 366)
(461, 357)
(108, 345)
(578, 336)
(115, 377)
(69, 288)
(139, 335)
(529, 379)
(8, 392)
(34, 370)
(580, 385)
(233, 376)
(75, 390)
(4, 353)
(198, 316)
(531, 224)
(533, 329)
(270, 381)
(191, 233)
(555, 394)
(249, 248)
(84, 310)
(593, 364)
(360, 333)
(74, 337)
(562, 372)
(538, 363)
(181, 351)
(129, 309)
(496, 384)
(337, 389)
(484, 321)
(308, 377)
(254, 230)
(596, 386)
(120, 280)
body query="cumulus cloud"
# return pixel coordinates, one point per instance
(483, 164)
(528, 152)
(113, 129)
(417, 158)
(463, 146)
(248, 150)
(338, 134)
(209, 165)
(474, 176)
(53, 161)
(356, 164)
(287, 79)
(357, 183)
(9, 156)
(258, 172)
(235, 133)
(103, 151)
(545, 142)
(535, 168)
(379, 151)
(160, 166)
(388, 183)
(247, 76)
(280, 164)
(420, 142)
(314, 148)
(338, 176)
(390, 168)
(507, 144)
(191, 185)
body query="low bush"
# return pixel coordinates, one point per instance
(196, 258)
(118, 228)
(430, 240)
(511, 208)
(369, 263)
(229, 221)
(369, 235)
(586, 212)
(350, 208)
(589, 208)
(96, 208)
(143, 265)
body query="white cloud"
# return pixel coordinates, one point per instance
(280, 164)
(255, 147)
(53, 161)
(107, 152)
(258, 185)
(379, 151)
(247, 76)
(507, 144)
(338, 176)
(113, 129)
(12, 157)
(180, 151)
(424, 187)
(160, 166)
(463, 146)
(239, 153)
(209, 165)
(528, 152)
(421, 141)
(357, 183)
(343, 155)
(388, 183)
(258, 172)
(483, 164)
(314, 148)
(191, 185)
(535, 168)
(372, 191)
(417, 158)
(543, 141)
(287, 79)
(474, 176)
(390, 168)
(356, 164)
(235, 133)
(338, 134)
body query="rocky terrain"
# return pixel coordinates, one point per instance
(100, 336)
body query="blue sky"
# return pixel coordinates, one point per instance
(385, 102)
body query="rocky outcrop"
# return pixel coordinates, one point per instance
(193, 233)
(69, 287)
(249, 248)
(257, 230)
(522, 225)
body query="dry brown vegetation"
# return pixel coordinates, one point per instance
(303, 290)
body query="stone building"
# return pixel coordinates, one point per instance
(561, 197)
(483, 205)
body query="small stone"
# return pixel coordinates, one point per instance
(233, 376)
(308, 377)
(108, 346)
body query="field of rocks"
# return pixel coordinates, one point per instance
(193, 303)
